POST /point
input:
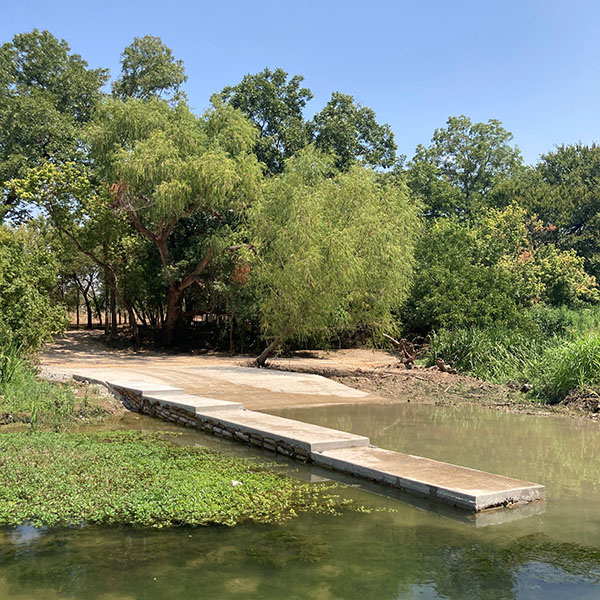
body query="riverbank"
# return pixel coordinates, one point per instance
(379, 375)
(57, 469)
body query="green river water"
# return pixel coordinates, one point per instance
(403, 549)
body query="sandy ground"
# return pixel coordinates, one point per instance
(371, 376)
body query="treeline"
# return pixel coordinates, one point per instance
(251, 225)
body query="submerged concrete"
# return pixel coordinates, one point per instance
(344, 452)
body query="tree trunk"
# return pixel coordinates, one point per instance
(90, 316)
(77, 308)
(268, 351)
(113, 310)
(106, 302)
(173, 314)
(97, 305)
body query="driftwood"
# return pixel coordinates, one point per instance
(407, 350)
(445, 368)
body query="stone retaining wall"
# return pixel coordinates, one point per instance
(176, 414)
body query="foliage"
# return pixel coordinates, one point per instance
(351, 132)
(163, 164)
(333, 253)
(463, 163)
(486, 271)
(47, 95)
(274, 104)
(563, 191)
(11, 360)
(495, 353)
(567, 367)
(556, 349)
(149, 70)
(28, 315)
(24, 398)
(139, 479)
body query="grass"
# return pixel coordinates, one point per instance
(574, 366)
(25, 398)
(557, 351)
(140, 479)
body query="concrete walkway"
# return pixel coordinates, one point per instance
(205, 402)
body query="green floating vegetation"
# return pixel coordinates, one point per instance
(141, 479)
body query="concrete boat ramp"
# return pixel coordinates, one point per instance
(343, 452)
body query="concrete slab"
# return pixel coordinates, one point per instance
(277, 381)
(193, 403)
(144, 387)
(344, 452)
(258, 389)
(459, 486)
(312, 438)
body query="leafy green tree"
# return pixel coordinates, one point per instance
(46, 95)
(485, 271)
(563, 190)
(275, 104)
(79, 208)
(332, 254)
(464, 162)
(29, 313)
(162, 165)
(149, 70)
(352, 133)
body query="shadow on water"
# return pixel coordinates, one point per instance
(398, 550)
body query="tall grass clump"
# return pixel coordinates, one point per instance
(494, 353)
(25, 398)
(11, 360)
(574, 365)
(563, 321)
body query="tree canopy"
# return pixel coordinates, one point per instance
(333, 253)
(462, 165)
(275, 104)
(149, 70)
(351, 132)
(48, 95)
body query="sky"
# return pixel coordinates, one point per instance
(532, 64)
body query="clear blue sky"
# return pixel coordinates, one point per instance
(533, 64)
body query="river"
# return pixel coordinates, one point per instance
(403, 548)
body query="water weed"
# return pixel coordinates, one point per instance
(141, 479)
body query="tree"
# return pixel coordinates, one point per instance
(463, 163)
(78, 207)
(332, 253)
(563, 190)
(149, 70)
(485, 271)
(275, 105)
(28, 313)
(352, 133)
(46, 95)
(163, 165)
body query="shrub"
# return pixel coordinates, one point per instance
(28, 271)
(488, 271)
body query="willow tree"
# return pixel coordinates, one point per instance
(163, 164)
(334, 252)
